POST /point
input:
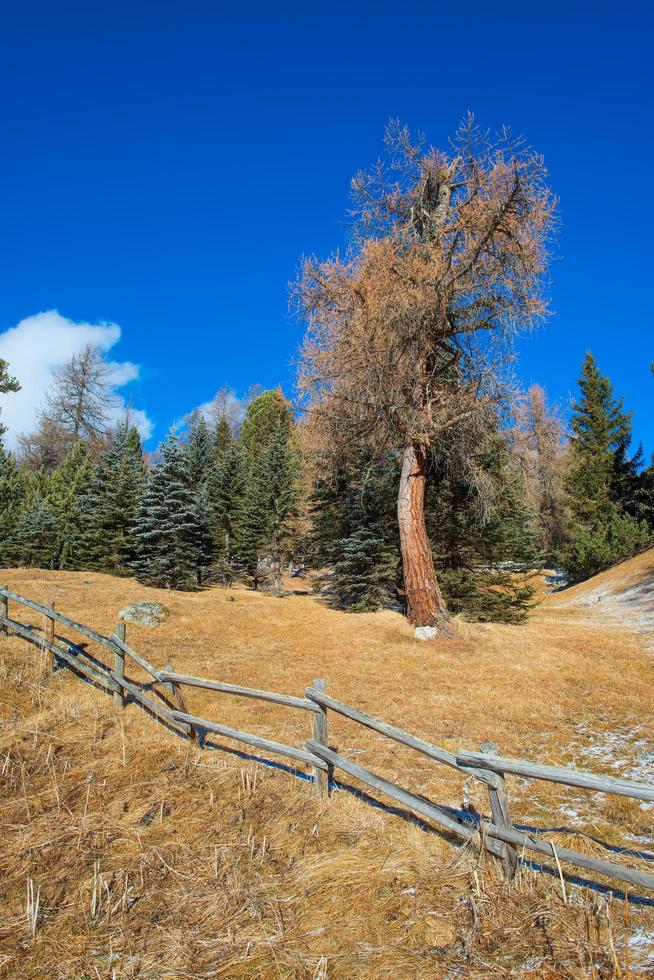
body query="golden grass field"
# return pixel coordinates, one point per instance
(152, 858)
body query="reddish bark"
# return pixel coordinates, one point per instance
(425, 605)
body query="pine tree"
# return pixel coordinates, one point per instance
(108, 508)
(65, 490)
(602, 481)
(34, 542)
(171, 527)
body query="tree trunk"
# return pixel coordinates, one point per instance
(425, 607)
(277, 577)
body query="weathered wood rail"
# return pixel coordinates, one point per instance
(497, 835)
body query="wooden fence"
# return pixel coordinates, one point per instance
(497, 834)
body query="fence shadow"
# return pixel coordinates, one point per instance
(449, 823)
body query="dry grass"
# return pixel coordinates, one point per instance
(126, 852)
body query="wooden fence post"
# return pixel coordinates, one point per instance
(180, 704)
(4, 611)
(321, 777)
(119, 663)
(49, 634)
(499, 804)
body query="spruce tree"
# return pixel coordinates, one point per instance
(64, 494)
(108, 508)
(199, 449)
(482, 533)
(13, 494)
(35, 540)
(365, 574)
(354, 530)
(264, 446)
(602, 482)
(171, 527)
(223, 438)
(225, 493)
(280, 492)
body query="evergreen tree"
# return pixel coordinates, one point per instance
(268, 417)
(280, 491)
(171, 528)
(13, 494)
(35, 540)
(225, 492)
(7, 383)
(223, 438)
(105, 541)
(199, 449)
(603, 480)
(366, 572)
(482, 533)
(266, 454)
(354, 531)
(65, 490)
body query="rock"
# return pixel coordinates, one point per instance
(145, 613)
(424, 632)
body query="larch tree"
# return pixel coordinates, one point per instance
(80, 398)
(538, 443)
(77, 408)
(449, 257)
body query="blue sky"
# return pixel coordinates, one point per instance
(165, 166)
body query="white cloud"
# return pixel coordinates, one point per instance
(40, 344)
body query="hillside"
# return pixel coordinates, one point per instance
(156, 859)
(621, 597)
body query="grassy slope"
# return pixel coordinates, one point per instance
(170, 862)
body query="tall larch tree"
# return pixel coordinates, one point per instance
(539, 444)
(77, 408)
(449, 259)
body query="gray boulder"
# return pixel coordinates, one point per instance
(145, 613)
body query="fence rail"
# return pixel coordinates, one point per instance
(497, 835)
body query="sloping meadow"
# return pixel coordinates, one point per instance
(126, 851)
